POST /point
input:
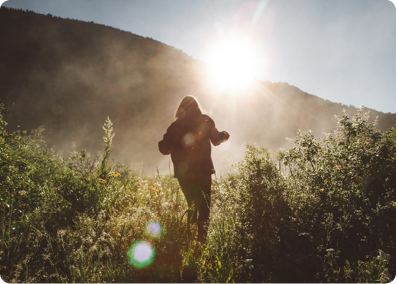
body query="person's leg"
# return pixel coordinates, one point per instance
(188, 189)
(204, 208)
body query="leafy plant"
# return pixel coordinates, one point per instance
(324, 206)
(322, 211)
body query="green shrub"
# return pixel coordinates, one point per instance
(74, 219)
(322, 211)
(315, 215)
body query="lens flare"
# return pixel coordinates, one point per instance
(140, 254)
(153, 230)
(188, 139)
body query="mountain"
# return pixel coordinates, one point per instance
(70, 75)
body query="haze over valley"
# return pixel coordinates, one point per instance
(69, 76)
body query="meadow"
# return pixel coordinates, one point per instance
(321, 211)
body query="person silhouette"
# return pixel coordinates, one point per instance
(187, 140)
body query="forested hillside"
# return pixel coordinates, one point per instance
(67, 75)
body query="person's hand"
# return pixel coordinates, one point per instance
(226, 135)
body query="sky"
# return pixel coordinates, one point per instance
(343, 51)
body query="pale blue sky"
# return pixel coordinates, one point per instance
(341, 50)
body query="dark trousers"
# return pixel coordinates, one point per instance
(197, 191)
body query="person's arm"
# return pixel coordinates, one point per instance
(166, 144)
(217, 137)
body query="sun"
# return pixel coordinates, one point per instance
(232, 64)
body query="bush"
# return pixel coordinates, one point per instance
(74, 219)
(322, 211)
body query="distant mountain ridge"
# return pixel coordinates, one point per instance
(69, 75)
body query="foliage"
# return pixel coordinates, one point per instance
(322, 211)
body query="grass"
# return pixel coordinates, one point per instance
(322, 211)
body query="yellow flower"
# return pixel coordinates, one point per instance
(154, 188)
(102, 181)
(115, 174)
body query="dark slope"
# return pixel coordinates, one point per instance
(70, 75)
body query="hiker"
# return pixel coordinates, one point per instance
(188, 141)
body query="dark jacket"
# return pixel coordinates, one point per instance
(188, 142)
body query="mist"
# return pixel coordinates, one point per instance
(69, 76)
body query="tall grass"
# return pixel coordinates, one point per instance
(323, 211)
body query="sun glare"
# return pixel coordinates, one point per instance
(232, 64)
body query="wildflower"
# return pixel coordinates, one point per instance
(330, 250)
(154, 188)
(115, 174)
(102, 181)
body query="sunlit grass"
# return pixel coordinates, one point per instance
(312, 215)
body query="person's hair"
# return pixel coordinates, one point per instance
(189, 107)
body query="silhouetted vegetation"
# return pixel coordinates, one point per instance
(67, 75)
(322, 211)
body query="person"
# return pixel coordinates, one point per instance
(187, 140)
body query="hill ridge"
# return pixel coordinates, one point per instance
(69, 75)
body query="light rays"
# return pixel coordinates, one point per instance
(232, 63)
